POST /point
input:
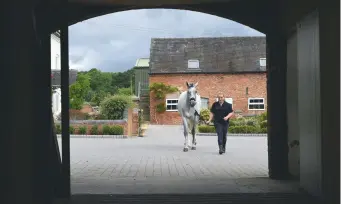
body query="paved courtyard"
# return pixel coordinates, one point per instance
(157, 164)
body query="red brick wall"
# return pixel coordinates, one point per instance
(86, 109)
(232, 85)
(135, 125)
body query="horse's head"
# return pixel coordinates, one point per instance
(191, 93)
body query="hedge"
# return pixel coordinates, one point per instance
(94, 130)
(255, 124)
(233, 129)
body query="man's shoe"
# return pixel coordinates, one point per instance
(220, 149)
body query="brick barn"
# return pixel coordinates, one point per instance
(235, 66)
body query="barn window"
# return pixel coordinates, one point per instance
(262, 62)
(204, 103)
(172, 105)
(256, 104)
(193, 64)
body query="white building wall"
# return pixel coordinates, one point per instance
(55, 52)
(292, 106)
(309, 103)
(55, 64)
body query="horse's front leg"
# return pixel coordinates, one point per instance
(185, 124)
(194, 139)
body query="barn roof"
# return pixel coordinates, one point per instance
(207, 55)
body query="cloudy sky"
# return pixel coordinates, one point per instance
(114, 42)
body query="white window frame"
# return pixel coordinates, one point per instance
(167, 103)
(192, 61)
(248, 104)
(207, 101)
(228, 100)
(262, 62)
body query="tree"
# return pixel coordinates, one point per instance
(78, 91)
(113, 107)
(98, 97)
(123, 80)
(100, 81)
(124, 91)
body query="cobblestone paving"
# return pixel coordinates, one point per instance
(157, 164)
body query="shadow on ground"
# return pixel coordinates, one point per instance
(237, 198)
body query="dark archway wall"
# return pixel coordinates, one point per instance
(26, 75)
(329, 60)
(254, 15)
(278, 20)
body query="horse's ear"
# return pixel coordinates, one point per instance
(196, 84)
(187, 84)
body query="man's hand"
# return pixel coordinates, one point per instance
(226, 118)
(208, 122)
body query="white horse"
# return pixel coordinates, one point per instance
(189, 104)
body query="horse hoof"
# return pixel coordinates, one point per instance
(194, 148)
(185, 149)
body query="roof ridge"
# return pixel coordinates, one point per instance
(175, 38)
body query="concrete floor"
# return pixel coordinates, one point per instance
(156, 164)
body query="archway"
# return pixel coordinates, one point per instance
(282, 164)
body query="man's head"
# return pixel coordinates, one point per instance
(221, 97)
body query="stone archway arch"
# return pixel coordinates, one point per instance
(81, 10)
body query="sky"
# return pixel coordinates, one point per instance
(113, 42)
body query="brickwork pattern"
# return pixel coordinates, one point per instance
(240, 87)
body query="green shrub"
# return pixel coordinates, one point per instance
(206, 129)
(263, 116)
(113, 107)
(204, 115)
(161, 107)
(239, 122)
(94, 130)
(264, 124)
(232, 123)
(72, 129)
(106, 130)
(116, 130)
(82, 130)
(251, 122)
(58, 129)
(124, 91)
(160, 90)
(263, 130)
(98, 96)
(243, 129)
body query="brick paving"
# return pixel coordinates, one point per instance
(157, 164)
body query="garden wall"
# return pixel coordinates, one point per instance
(99, 123)
(128, 126)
